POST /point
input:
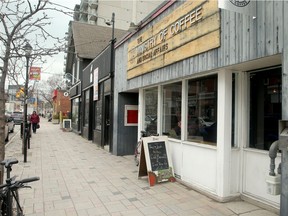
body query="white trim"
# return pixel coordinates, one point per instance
(160, 109)
(224, 116)
(141, 112)
(130, 107)
(184, 112)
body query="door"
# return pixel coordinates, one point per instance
(106, 141)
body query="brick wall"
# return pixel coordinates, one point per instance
(61, 103)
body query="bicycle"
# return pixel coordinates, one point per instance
(9, 196)
(139, 146)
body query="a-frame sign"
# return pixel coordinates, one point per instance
(155, 160)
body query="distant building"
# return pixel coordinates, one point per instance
(61, 103)
(99, 11)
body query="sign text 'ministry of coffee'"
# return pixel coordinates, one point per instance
(179, 26)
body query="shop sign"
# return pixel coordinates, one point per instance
(155, 161)
(192, 28)
(95, 84)
(35, 73)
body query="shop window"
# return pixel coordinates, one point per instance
(75, 110)
(151, 101)
(86, 108)
(202, 110)
(265, 107)
(98, 110)
(171, 119)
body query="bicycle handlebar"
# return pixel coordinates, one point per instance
(27, 180)
(17, 184)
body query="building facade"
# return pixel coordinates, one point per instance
(61, 103)
(85, 42)
(215, 82)
(99, 11)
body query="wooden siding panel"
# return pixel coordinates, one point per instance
(269, 28)
(239, 37)
(224, 37)
(252, 41)
(285, 66)
(278, 25)
(245, 33)
(260, 19)
(249, 41)
(232, 39)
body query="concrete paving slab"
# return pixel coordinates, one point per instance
(79, 178)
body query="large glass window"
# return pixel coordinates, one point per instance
(171, 119)
(75, 110)
(150, 98)
(202, 110)
(98, 111)
(86, 109)
(265, 107)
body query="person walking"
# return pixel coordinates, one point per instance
(34, 119)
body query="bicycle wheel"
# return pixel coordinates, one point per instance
(15, 203)
(4, 205)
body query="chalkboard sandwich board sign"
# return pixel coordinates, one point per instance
(67, 124)
(155, 160)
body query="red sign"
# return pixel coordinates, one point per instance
(132, 116)
(35, 73)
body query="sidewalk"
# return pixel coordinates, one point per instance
(78, 178)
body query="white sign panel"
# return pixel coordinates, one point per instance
(95, 85)
(247, 7)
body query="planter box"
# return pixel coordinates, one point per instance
(55, 121)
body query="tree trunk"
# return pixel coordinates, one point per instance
(2, 130)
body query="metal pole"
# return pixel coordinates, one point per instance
(112, 82)
(284, 182)
(25, 110)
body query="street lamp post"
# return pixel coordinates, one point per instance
(28, 50)
(112, 70)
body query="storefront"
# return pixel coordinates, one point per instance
(212, 81)
(96, 97)
(75, 97)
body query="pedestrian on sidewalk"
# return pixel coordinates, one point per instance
(34, 119)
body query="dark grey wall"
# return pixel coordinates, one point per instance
(127, 135)
(102, 61)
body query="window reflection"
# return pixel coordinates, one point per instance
(171, 119)
(150, 97)
(86, 111)
(265, 107)
(202, 110)
(98, 111)
(75, 110)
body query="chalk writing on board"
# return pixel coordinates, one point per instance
(158, 156)
(67, 124)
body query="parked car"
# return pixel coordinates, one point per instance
(11, 124)
(18, 117)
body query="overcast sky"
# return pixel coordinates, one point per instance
(58, 27)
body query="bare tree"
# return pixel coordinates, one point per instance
(21, 21)
(47, 87)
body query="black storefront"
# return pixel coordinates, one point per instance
(96, 97)
(75, 95)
